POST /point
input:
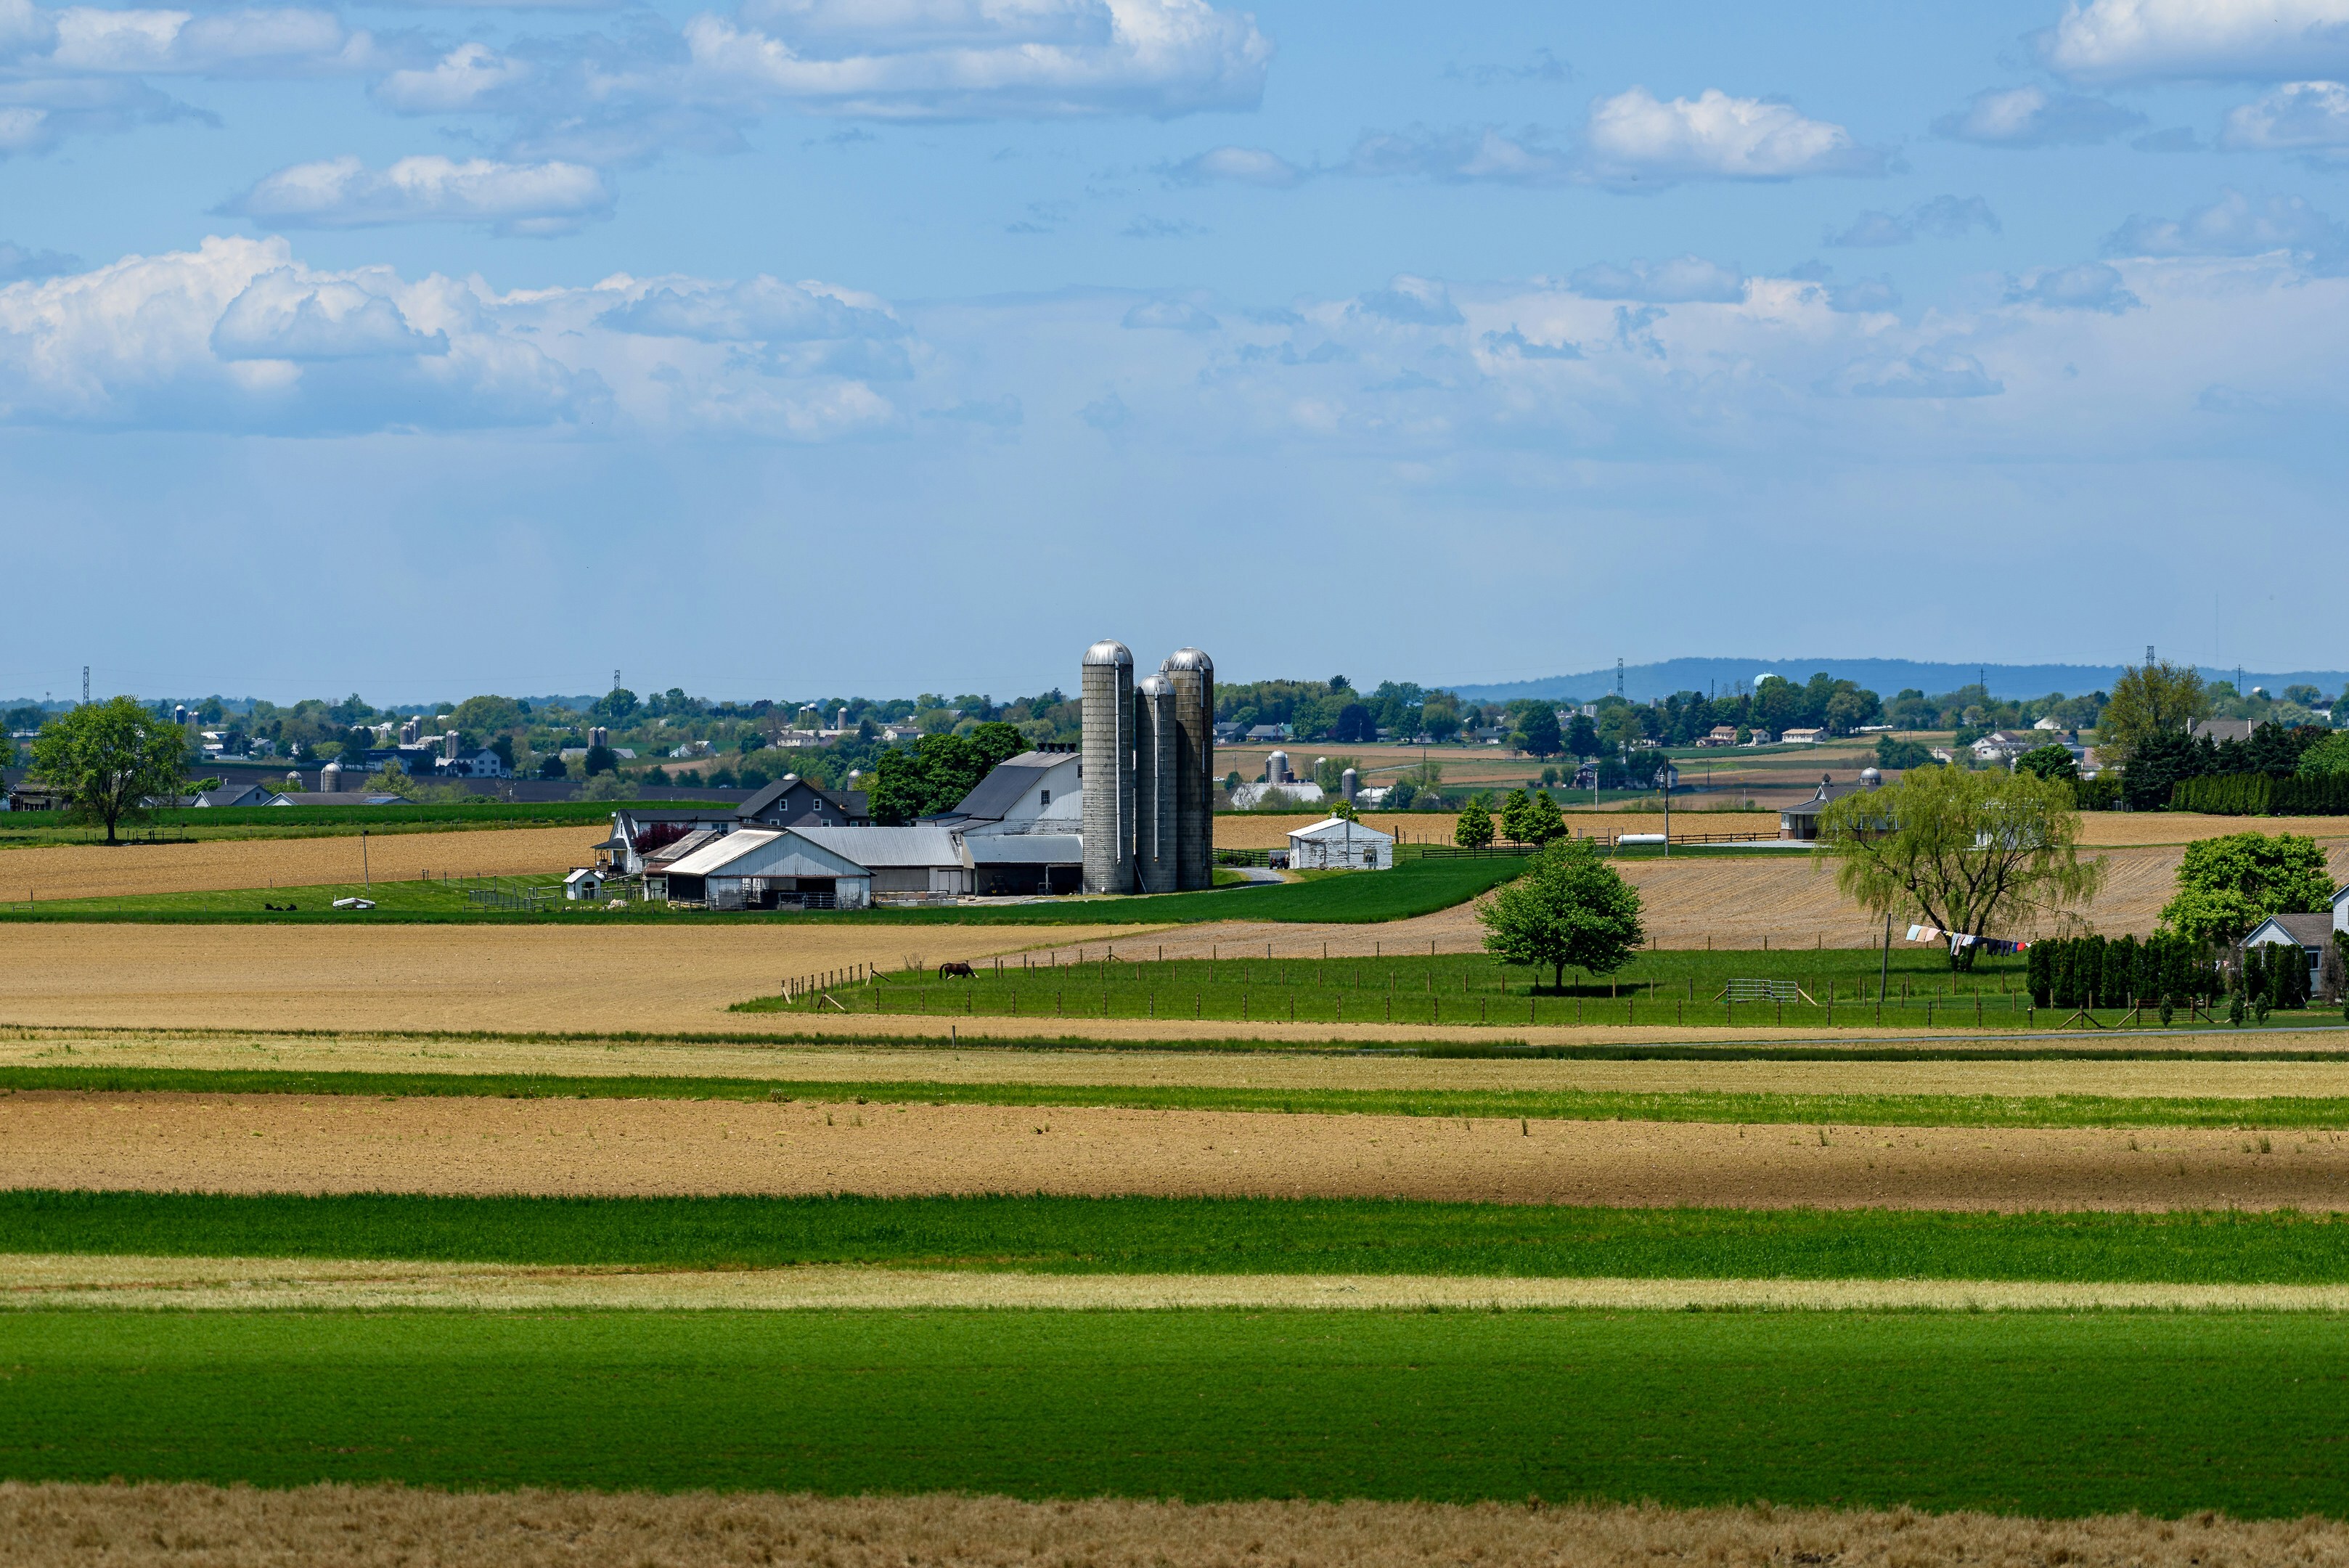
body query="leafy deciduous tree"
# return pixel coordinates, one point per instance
(1475, 828)
(2226, 885)
(108, 758)
(1569, 908)
(1963, 850)
(2156, 699)
(2048, 761)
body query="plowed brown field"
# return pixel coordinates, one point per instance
(93, 871)
(190, 1526)
(2098, 829)
(279, 1143)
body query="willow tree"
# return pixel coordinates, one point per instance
(1976, 854)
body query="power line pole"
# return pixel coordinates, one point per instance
(1619, 677)
(85, 685)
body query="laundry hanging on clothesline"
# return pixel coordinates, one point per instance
(1956, 940)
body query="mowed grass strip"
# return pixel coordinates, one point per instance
(1176, 1236)
(2049, 1415)
(2272, 1113)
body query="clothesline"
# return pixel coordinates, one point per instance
(1957, 939)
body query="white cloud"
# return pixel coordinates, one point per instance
(1635, 137)
(915, 59)
(2296, 117)
(2237, 225)
(1523, 158)
(1926, 373)
(1943, 218)
(1238, 165)
(2091, 285)
(1412, 302)
(286, 315)
(1170, 316)
(1680, 281)
(461, 79)
(2136, 40)
(2034, 116)
(228, 43)
(342, 193)
(39, 112)
(757, 310)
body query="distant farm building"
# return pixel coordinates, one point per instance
(1339, 843)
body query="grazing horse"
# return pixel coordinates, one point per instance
(956, 971)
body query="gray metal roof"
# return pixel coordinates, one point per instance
(1109, 651)
(877, 847)
(1188, 658)
(1000, 790)
(2308, 930)
(1026, 850)
(668, 855)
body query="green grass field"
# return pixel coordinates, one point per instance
(1216, 1236)
(2043, 1414)
(2272, 1113)
(210, 822)
(1414, 888)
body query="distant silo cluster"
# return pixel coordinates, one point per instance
(1148, 763)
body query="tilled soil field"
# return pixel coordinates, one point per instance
(51, 1282)
(191, 1526)
(339, 1144)
(444, 977)
(94, 871)
(2098, 829)
(850, 1064)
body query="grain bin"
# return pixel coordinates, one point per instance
(1193, 674)
(1155, 836)
(1107, 767)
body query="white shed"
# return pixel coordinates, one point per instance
(760, 869)
(1338, 842)
(585, 882)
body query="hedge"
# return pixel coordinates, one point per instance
(2262, 794)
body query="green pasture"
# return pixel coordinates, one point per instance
(2036, 1414)
(1195, 1235)
(19, 829)
(1417, 887)
(2269, 1112)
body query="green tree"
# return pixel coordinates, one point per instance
(602, 760)
(2329, 755)
(2048, 761)
(1582, 737)
(2156, 699)
(107, 759)
(2226, 885)
(898, 789)
(1475, 828)
(1543, 821)
(1964, 851)
(1569, 908)
(1900, 756)
(1513, 817)
(1539, 736)
(615, 706)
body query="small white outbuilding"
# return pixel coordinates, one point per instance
(1338, 843)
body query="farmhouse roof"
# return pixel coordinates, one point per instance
(2222, 729)
(994, 796)
(667, 855)
(875, 848)
(715, 855)
(2308, 930)
(1343, 828)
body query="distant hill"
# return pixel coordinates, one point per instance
(1885, 677)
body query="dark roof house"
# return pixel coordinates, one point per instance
(792, 802)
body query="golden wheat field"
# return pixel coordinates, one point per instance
(191, 1526)
(95, 871)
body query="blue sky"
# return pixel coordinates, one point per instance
(785, 346)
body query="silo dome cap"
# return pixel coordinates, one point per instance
(1188, 658)
(1154, 686)
(1109, 651)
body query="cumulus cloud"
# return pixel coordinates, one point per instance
(1237, 165)
(1635, 137)
(1514, 344)
(1681, 280)
(516, 198)
(463, 78)
(757, 310)
(286, 315)
(1412, 302)
(2035, 116)
(1170, 316)
(2303, 117)
(1863, 294)
(2136, 40)
(1927, 373)
(227, 43)
(917, 59)
(1943, 218)
(2237, 225)
(1521, 158)
(37, 113)
(2091, 285)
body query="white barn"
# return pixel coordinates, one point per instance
(1338, 843)
(764, 869)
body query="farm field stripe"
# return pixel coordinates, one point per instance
(1197, 1236)
(253, 1284)
(2026, 1412)
(337, 1526)
(2271, 1112)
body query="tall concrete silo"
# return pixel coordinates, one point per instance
(1193, 674)
(1156, 831)
(1107, 759)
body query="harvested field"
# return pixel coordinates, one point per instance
(443, 977)
(50, 1282)
(850, 1064)
(190, 1526)
(2098, 829)
(94, 871)
(286, 1143)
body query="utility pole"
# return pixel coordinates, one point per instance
(2148, 656)
(1884, 975)
(1618, 677)
(85, 685)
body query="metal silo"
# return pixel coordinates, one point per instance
(1108, 767)
(1194, 677)
(1156, 835)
